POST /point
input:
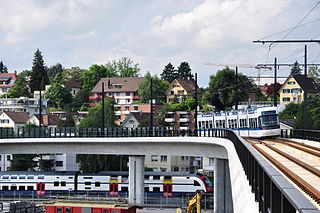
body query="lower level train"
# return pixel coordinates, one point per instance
(254, 122)
(112, 183)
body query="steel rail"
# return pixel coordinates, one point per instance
(297, 143)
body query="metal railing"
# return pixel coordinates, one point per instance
(313, 135)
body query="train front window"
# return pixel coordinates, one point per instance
(207, 181)
(269, 120)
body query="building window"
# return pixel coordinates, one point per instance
(291, 82)
(163, 158)
(59, 163)
(135, 108)
(127, 108)
(128, 101)
(286, 90)
(154, 158)
(286, 99)
(171, 92)
(127, 93)
(8, 157)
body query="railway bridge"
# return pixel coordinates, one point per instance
(244, 180)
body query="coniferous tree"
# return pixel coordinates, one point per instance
(184, 71)
(39, 76)
(169, 73)
(3, 68)
(296, 70)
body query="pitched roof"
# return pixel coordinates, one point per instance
(141, 116)
(128, 84)
(48, 120)
(188, 85)
(13, 76)
(287, 121)
(72, 84)
(18, 117)
(307, 84)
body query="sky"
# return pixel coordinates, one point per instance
(153, 33)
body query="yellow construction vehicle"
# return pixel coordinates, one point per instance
(194, 204)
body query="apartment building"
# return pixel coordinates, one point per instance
(23, 104)
(182, 120)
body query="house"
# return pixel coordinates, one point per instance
(122, 90)
(181, 88)
(182, 120)
(47, 120)
(23, 104)
(7, 81)
(74, 86)
(293, 89)
(135, 119)
(13, 119)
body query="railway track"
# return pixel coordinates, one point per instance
(299, 162)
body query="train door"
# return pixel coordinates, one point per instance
(167, 190)
(113, 189)
(40, 188)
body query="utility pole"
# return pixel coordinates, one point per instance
(275, 82)
(196, 101)
(236, 99)
(102, 111)
(151, 104)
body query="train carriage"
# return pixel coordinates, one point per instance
(253, 122)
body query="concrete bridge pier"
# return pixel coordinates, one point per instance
(136, 180)
(223, 202)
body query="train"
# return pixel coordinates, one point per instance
(167, 184)
(251, 122)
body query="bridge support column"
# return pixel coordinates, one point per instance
(136, 180)
(222, 187)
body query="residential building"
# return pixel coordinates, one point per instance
(23, 104)
(57, 162)
(5, 162)
(13, 119)
(182, 120)
(47, 120)
(74, 86)
(7, 81)
(123, 110)
(293, 89)
(122, 90)
(134, 119)
(180, 88)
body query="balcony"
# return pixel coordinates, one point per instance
(182, 120)
(184, 128)
(169, 120)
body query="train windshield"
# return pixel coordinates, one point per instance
(269, 120)
(207, 181)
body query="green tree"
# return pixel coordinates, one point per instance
(296, 70)
(53, 70)
(314, 73)
(57, 94)
(23, 162)
(73, 73)
(159, 88)
(81, 98)
(3, 68)
(291, 111)
(39, 76)
(169, 73)
(222, 91)
(19, 89)
(184, 71)
(124, 67)
(93, 120)
(68, 122)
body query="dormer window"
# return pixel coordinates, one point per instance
(291, 82)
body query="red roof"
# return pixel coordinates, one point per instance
(48, 120)
(128, 84)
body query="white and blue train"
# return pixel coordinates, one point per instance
(251, 122)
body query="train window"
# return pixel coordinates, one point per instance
(70, 177)
(196, 183)
(115, 211)
(22, 177)
(5, 177)
(56, 183)
(30, 177)
(203, 125)
(68, 210)
(63, 183)
(199, 124)
(156, 189)
(97, 184)
(30, 188)
(59, 210)
(146, 177)
(40, 177)
(210, 124)
(87, 177)
(167, 177)
(156, 177)
(14, 177)
(87, 183)
(187, 177)
(87, 187)
(146, 189)
(124, 189)
(13, 188)
(5, 187)
(22, 188)
(105, 211)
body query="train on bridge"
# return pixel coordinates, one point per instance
(251, 122)
(167, 184)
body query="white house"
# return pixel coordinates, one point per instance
(13, 119)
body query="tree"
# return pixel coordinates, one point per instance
(291, 111)
(93, 120)
(124, 67)
(159, 88)
(53, 70)
(73, 73)
(23, 162)
(19, 89)
(68, 122)
(81, 98)
(3, 68)
(314, 73)
(184, 71)
(169, 73)
(57, 94)
(296, 70)
(222, 91)
(39, 76)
